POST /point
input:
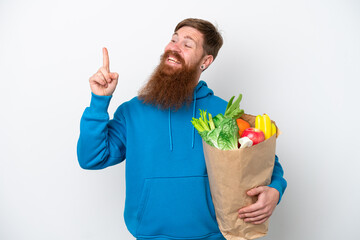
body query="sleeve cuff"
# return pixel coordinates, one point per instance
(278, 186)
(100, 104)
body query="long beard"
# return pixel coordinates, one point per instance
(169, 87)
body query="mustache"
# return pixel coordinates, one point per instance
(167, 54)
(170, 87)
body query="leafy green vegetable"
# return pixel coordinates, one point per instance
(218, 119)
(202, 124)
(229, 134)
(223, 137)
(211, 122)
(220, 131)
(233, 109)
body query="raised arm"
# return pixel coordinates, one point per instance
(102, 141)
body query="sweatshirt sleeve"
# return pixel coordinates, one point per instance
(277, 180)
(102, 141)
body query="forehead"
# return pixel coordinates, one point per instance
(190, 33)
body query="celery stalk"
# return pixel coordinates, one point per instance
(211, 122)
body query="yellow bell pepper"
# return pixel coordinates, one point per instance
(267, 126)
(264, 124)
(259, 123)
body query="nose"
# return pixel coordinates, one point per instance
(172, 46)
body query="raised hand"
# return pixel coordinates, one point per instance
(104, 82)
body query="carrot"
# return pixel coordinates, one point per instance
(242, 124)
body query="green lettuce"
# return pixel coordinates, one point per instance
(220, 131)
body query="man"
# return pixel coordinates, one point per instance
(167, 189)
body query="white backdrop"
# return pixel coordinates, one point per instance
(298, 61)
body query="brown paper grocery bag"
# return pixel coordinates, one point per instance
(231, 174)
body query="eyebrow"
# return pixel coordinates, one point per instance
(187, 37)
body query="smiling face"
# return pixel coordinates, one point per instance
(172, 83)
(186, 50)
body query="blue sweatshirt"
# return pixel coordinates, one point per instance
(167, 188)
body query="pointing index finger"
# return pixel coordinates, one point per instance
(106, 59)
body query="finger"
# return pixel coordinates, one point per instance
(261, 221)
(256, 219)
(251, 208)
(98, 78)
(106, 61)
(252, 214)
(106, 74)
(114, 75)
(255, 191)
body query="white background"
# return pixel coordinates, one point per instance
(298, 61)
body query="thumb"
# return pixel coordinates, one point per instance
(255, 191)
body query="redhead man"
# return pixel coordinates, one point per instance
(167, 188)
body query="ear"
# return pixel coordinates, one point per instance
(206, 61)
